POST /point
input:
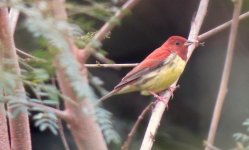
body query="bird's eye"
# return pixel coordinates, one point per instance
(177, 43)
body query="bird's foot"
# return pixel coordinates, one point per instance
(172, 89)
(160, 98)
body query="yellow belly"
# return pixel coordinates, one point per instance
(157, 80)
(163, 78)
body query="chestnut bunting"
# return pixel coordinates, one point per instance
(157, 71)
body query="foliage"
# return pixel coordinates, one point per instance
(53, 44)
(243, 138)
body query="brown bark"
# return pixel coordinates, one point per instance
(4, 136)
(4, 142)
(83, 127)
(18, 126)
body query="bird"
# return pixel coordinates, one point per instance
(157, 71)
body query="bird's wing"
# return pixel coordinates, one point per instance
(148, 65)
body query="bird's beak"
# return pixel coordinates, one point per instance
(188, 43)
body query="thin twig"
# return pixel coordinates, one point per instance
(160, 106)
(110, 65)
(201, 37)
(127, 143)
(30, 56)
(226, 73)
(59, 113)
(211, 147)
(61, 128)
(107, 27)
(220, 27)
(62, 134)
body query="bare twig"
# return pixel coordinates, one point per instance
(110, 65)
(127, 143)
(201, 37)
(160, 106)
(62, 134)
(108, 26)
(30, 56)
(211, 147)
(220, 28)
(59, 113)
(226, 73)
(61, 128)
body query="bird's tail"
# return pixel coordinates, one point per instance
(105, 97)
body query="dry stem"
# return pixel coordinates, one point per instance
(225, 75)
(110, 65)
(201, 37)
(59, 113)
(211, 147)
(160, 106)
(108, 26)
(220, 28)
(127, 143)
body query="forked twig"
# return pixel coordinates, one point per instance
(225, 75)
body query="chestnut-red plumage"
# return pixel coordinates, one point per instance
(174, 44)
(153, 62)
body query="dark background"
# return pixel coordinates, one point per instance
(185, 124)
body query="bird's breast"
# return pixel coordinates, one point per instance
(161, 78)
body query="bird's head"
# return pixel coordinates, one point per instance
(178, 45)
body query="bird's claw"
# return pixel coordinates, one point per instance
(160, 98)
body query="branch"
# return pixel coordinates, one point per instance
(160, 106)
(211, 147)
(106, 28)
(30, 56)
(19, 126)
(200, 38)
(127, 143)
(61, 127)
(83, 127)
(225, 75)
(13, 15)
(59, 113)
(220, 28)
(110, 65)
(4, 136)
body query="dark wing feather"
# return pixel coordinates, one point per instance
(135, 73)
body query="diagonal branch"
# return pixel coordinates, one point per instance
(220, 28)
(106, 28)
(59, 113)
(127, 143)
(201, 37)
(225, 75)
(160, 106)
